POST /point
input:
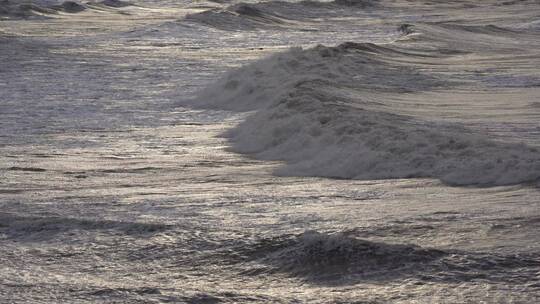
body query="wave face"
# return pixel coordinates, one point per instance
(324, 112)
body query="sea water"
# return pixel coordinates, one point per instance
(277, 152)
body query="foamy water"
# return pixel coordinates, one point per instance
(273, 152)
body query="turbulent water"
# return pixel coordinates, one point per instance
(346, 151)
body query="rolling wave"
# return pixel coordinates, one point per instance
(325, 111)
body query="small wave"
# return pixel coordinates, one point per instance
(322, 254)
(329, 258)
(10, 9)
(27, 169)
(248, 10)
(460, 38)
(124, 291)
(340, 3)
(228, 297)
(238, 17)
(357, 3)
(514, 2)
(71, 7)
(121, 294)
(115, 3)
(512, 81)
(530, 25)
(275, 14)
(535, 104)
(488, 29)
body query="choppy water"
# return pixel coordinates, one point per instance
(274, 152)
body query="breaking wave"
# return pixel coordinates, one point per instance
(323, 112)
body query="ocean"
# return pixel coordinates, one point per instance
(222, 151)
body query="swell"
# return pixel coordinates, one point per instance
(239, 17)
(503, 57)
(275, 14)
(481, 39)
(9, 9)
(14, 9)
(327, 111)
